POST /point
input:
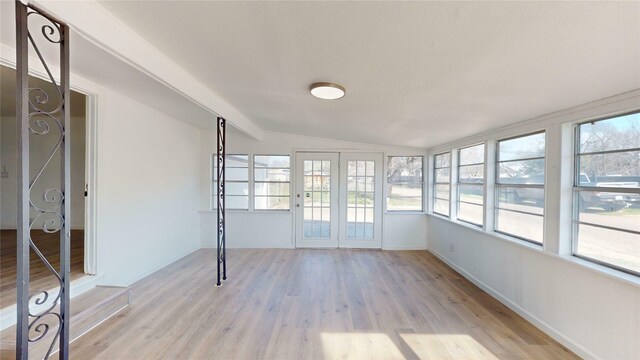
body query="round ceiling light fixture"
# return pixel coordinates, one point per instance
(327, 90)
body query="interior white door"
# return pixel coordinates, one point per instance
(316, 200)
(361, 200)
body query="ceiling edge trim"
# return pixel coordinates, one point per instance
(611, 105)
(106, 31)
(356, 144)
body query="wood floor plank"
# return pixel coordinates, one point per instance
(40, 277)
(314, 304)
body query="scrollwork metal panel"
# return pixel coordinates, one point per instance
(42, 316)
(220, 177)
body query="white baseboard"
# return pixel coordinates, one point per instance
(159, 265)
(8, 315)
(252, 247)
(404, 248)
(540, 324)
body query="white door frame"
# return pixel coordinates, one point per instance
(376, 241)
(91, 186)
(301, 195)
(339, 209)
(90, 90)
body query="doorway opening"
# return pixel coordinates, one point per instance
(47, 243)
(339, 200)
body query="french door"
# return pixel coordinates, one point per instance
(338, 200)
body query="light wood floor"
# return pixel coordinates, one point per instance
(314, 304)
(40, 277)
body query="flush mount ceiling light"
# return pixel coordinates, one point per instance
(327, 91)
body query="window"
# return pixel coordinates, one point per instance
(519, 202)
(271, 175)
(471, 184)
(607, 192)
(441, 183)
(237, 182)
(404, 183)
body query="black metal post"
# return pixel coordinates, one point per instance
(42, 113)
(220, 178)
(65, 166)
(22, 113)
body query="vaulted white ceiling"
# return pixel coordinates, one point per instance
(416, 73)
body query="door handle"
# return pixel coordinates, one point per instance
(297, 205)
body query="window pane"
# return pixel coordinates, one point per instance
(404, 169)
(471, 193)
(521, 148)
(237, 177)
(599, 201)
(237, 202)
(234, 188)
(236, 174)
(610, 246)
(472, 155)
(618, 133)
(522, 172)
(405, 204)
(442, 191)
(442, 175)
(529, 200)
(526, 226)
(241, 161)
(616, 169)
(442, 160)
(619, 210)
(404, 197)
(273, 189)
(470, 213)
(233, 161)
(271, 174)
(404, 178)
(281, 161)
(471, 174)
(441, 206)
(272, 203)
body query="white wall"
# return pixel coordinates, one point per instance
(148, 189)
(147, 177)
(593, 310)
(263, 229)
(591, 313)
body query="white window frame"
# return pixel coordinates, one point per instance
(421, 210)
(436, 183)
(577, 188)
(498, 185)
(213, 198)
(254, 182)
(482, 185)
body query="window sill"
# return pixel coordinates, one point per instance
(247, 211)
(409, 212)
(519, 242)
(440, 216)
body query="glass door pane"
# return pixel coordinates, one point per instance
(316, 195)
(360, 199)
(316, 200)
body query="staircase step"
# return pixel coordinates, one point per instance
(87, 311)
